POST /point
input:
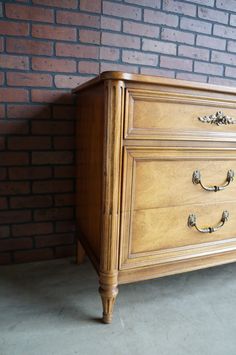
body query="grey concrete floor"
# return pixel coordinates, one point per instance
(53, 308)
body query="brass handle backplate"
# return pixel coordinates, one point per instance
(196, 178)
(218, 118)
(192, 222)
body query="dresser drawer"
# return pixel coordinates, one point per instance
(155, 114)
(159, 196)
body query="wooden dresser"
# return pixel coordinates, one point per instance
(156, 194)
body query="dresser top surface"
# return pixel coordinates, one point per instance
(150, 79)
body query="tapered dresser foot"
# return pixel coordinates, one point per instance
(80, 255)
(108, 296)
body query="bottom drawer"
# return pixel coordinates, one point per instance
(158, 234)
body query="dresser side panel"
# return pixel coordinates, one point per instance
(89, 162)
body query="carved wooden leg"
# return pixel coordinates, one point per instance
(80, 253)
(108, 295)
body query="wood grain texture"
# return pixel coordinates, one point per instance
(138, 143)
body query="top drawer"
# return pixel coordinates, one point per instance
(183, 115)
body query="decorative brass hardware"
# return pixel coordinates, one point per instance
(196, 178)
(192, 220)
(219, 119)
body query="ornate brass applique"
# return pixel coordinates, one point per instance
(219, 118)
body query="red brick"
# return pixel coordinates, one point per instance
(3, 173)
(64, 171)
(23, 12)
(13, 95)
(2, 111)
(54, 239)
(30, 173)
(28, 46)
(69, 81)
(120, 10)
(231, 72)
(4, 204)
(211, 42)
(195, 25)
(29, 79)
(150, 45)
(65, 226)
(12, 244)
(54, 214)
(213, 15)
(78, 19)
(231, 46)
(54, 32)
(160, 18)
(14, 217)
(28, 111)
(53, 128)
(109, 23)
(64, 112)
(2, 78)
(193, 52)
(14, 62)
(109, 53)
(176, 63)
(65, 251)
(5, 258)
(13, 127)
(30, 202)
(10, 158)
(65, 200)
(4, 231)
(64, 143)
(223, 58)
(54, 65)
(105, 66)
(33, 255)
(1, 44)
(29, 143)
(208, 68)
(14, 188)
(42, 158)
(179, 7)
(89, 36)
(68, 4)
(77, 51)
(90, 6)
(119, 40)
(226, 5)
(222, 81)
(2, 143)
(135, 57)
(232, 20)
(14, 28)
(53, 186)
(31, 229)
(141, 29)
(51, 96)
(191, 76)
(173, 35)
(147, 3)
(224, 31)
(87, 67)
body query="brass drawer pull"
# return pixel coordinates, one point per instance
(196, 178)
(219, 119)
(192, 220)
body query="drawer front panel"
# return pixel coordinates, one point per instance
(159, 196)
(167, 115)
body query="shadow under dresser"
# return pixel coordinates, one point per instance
(155, 177)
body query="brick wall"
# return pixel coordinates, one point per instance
(49, 46)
